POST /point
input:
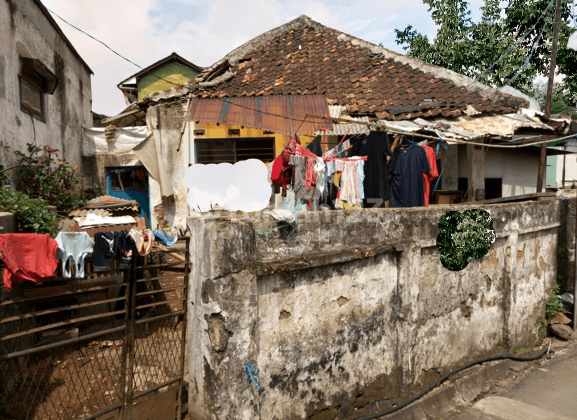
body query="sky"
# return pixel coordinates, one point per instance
(145, 31)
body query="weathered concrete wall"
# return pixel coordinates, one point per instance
(25, 31)
(355, 306)
(566, 244)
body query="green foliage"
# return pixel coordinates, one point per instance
(523, 350)
(47, 177)
(469, 48)
(32, 216)
(463, 236)
(554, 305)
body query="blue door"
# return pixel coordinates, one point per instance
(130, 183)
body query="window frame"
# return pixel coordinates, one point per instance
(29, 110)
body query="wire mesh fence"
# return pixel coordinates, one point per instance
(93, 347)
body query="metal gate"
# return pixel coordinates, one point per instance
(109, 345)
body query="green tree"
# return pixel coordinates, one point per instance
(469, 48)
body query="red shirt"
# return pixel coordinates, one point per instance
(27, 256)
(428, 178)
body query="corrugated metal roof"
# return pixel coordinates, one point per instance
(279, 114)
(107, 201)
(340, 129)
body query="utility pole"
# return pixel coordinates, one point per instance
(543, 156)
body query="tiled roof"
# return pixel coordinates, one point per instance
(304, 57)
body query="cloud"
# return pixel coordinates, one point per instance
(243, 186)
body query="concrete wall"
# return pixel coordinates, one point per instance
(354, 309)
(25, 31)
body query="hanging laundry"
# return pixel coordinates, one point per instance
(27, 256)
(361, 166)
(125, 249)
(349, 182)
(430, 176)
(315, 146)
(321, 175)
(143, 240)
(290, 203)
(73, 248)
(376, 147)
(310, 175)
(167, 236)
(300, 181)
(407, 168)
(280, 167)
(105, 247)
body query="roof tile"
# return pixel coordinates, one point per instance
(307, 57)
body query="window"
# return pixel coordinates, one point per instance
(128, 179)
(232, 151)
(35, 80)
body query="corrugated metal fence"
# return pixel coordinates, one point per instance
(109, 345)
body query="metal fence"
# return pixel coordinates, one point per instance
(109, 345)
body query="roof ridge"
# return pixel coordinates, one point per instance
(221, 70)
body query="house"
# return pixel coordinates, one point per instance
(45, 88)
(302, 76)
(158, 76)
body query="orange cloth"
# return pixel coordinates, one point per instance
(27, 256)
(428, 178)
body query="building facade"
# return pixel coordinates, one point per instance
(45, 86)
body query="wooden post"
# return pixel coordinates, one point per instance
(543, 156)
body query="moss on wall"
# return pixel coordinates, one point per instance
(173, 72)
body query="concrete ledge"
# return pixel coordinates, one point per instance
(8, 222)
(327, 258)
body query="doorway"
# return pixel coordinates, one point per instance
(130, 183)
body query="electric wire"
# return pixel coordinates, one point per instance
(526, 62)
(87, 34)
(445, 377)
(515, 44)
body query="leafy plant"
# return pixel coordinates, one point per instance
(45, 176)
(463, 236)
(32, 216)
(554, 305)
(469, 48)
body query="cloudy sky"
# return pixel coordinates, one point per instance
(145, 31)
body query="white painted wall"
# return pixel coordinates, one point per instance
(25, 31)
(570, 170)
(517, 167)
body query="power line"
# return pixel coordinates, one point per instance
(515, 44)
(87, 34)
(526, 63)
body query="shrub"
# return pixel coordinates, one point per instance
(32, 216)
(49, 178)
(554, 305)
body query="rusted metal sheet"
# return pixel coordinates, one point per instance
(279, 114)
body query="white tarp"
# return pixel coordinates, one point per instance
(125, 139)
(149, 154)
